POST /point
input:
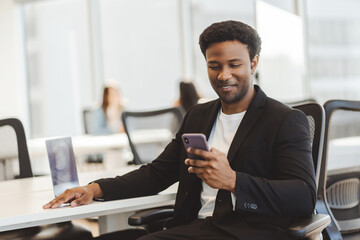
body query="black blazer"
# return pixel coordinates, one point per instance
(271, 154)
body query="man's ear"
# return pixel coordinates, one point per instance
(254, 63)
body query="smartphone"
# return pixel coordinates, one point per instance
(195, 140)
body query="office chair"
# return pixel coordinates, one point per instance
(312, 227)
(59, 231)
(87, 118)
(300, 102)
(304, 228)
(161, 122)
(87, 121)
(166, 121)
(339, 182)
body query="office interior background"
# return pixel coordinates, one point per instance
(55, 55)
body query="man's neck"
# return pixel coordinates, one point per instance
(240, 106)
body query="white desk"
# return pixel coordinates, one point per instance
(22, 202)
(38, 184)
(86, 144)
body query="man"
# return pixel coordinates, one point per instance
(258, 175)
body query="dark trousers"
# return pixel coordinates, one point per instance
(200, 229)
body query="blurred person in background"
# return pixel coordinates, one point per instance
(188, 95)
(107, 118)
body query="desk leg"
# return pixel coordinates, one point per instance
(7, 169)
(3, 170)
(114, 222)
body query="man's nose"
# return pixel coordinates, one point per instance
(224, 75)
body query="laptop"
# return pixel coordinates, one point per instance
(62, 164)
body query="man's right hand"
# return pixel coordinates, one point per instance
(76, 196)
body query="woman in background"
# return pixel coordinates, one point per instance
(188, 95)
(107, 119)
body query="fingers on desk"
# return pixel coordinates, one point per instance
(65, 197)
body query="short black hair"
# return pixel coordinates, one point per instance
(231, 31)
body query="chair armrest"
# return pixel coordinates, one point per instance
(147, 216)
(310, 226)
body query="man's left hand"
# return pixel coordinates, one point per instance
(215, 170)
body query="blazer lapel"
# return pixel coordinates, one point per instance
(207, 124)
(251, 116)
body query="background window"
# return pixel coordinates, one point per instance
(57, 48)
(334, 49)
(141, 50)
(282, 60)
(148, 46)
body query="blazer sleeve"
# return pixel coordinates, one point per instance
(149, 179)
(292, 192)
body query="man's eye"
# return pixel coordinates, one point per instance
(214, 67)
(235, 65)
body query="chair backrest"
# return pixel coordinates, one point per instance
(165, 122)
(87, 118)
(340, 170)
(342, 128)
(300, 102)
(316, 118)
(13, 136)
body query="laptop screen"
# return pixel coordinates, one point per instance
(62, 164)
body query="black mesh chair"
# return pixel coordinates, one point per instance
(305, 228)
(164, 123)
(161, 123)
(312, 227)
(340, 170)
(13, 135)
(300, 102)
(66, 230)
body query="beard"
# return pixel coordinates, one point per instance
(233, 98)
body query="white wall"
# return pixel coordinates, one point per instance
(282, 61)
(60, 81)
(141, 50)
(13, 100)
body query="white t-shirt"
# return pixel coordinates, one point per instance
(221, 136)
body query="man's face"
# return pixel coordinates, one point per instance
(230, 69)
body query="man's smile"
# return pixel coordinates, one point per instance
(226, 87)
